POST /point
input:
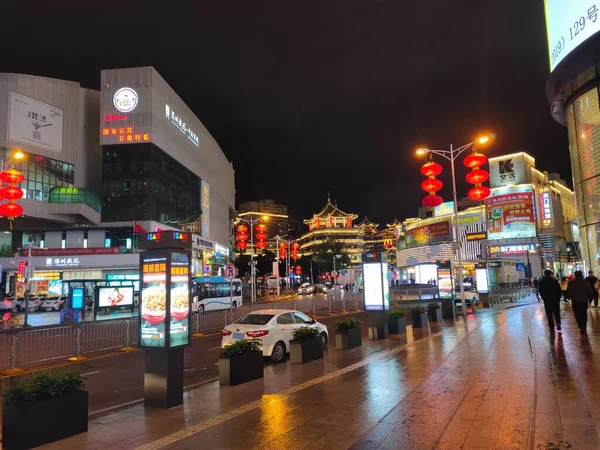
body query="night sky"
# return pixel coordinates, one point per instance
(317, 96)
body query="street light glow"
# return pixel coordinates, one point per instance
(265, 217)
(483, 139)
(18, 155)
(421, 151)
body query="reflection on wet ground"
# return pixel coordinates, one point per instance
(498, 381)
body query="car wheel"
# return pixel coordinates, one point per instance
(234, 305)
(278, 352)
(201, 308)
(324, 340)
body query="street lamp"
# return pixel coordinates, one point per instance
(451, 155)
(251, 223)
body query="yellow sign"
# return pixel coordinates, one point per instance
(476, 236)
(46, 276)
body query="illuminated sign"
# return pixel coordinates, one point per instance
(181, 236)
(375, 286)
(205, 208)
(517, 249)
(508, 170)
(62, 262)
(118, 296)
(45, 276)
(426, 234)
(181, 125)
(125, 134)
(568, 24)
(114, 117)
(221, 250)
(125, 100)
(153, 305)
(481, 276)
(465, 220)
(445, 209)
(545, 207)
(476, 236)
(179, 333)
(165, 239)
(510, 213)
(21, 272)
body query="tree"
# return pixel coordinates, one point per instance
(324, 254)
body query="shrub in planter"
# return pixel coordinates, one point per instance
(240, 362)
(306, 346)
(419, 317)
(396, 322)
(348, 334)
(434, 311)
(45, 408)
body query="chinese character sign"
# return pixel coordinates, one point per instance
(426, 234)
(153, 307)
(510, 213)
(545, 207)
(179, 330)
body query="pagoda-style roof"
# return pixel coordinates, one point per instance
(367, 223)
(331, 210)
(394, 224)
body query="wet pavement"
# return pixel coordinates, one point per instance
(497, 381)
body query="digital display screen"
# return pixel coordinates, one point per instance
(179, 330)
(386, 286)
(110, 297)
(444, 276)
(153, 306)
(482, 281)
(373, 286)
(55, 287)
(568, 24)
(77, 298)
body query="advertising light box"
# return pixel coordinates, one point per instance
(375, 286)
(510, 213)
(153, 306)
(481, 275)
(568, 24)
(115, 297)
(179, 330)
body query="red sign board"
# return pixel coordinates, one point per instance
(426, 234)
(72, 251)
(21, 273)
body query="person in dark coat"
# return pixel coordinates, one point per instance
(591, 278)
(551, 293)
(580, 293)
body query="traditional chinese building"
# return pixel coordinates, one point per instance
(372, 236)
(331, 223)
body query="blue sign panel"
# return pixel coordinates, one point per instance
(77, 298)
(520, 267)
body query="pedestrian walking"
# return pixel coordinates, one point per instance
(581, 294)
(564, 283)
(551, 293)
(593, 282)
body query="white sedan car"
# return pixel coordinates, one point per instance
(274, 328)
(54, 303)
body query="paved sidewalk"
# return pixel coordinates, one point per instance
(497, 381)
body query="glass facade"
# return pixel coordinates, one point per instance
(41, 174)
(583, 122)
(141, 182)
(75, 195)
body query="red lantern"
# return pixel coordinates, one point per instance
(431, 201)
(476, 176)
(261, 244)
(242, 228)
(242, 245)
(11, 176)
(475, 160)
(431, 185)
(282, 250)
(261, 228)
(431, 169)
(261, 236)
(295, 246)
(479, 193)
(11, 193)
(10, 210)
(242, 237)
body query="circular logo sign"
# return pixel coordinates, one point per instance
(125, 99)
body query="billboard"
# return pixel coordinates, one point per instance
(153, 306)
(545, 207)
(445, 209)
(508, 170)
(35, 123)
(510, 213)
(426, 234)
(110, 297)
(568, 24)
(179, 329)
(376, 286)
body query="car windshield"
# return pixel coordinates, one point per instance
(51, 298)
(255, 319)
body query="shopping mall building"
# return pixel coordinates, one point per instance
(526, 225)
(572, 89)
(100, 168)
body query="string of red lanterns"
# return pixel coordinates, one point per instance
(12, 193)
(242, 237)
(294, 253)
(282, 250)
(431, 185)
(477, 176)
(261, 235)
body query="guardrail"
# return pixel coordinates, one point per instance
(26, 348)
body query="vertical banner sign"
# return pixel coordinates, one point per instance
(205, 209)
(510, 213)
(179, 330)
(545, 207)
(153, 308)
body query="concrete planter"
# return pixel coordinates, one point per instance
(419, 320)
(241, 368)
(37, 423)
(302, 352)
(435, 315)
(347, 339)
(397, 326)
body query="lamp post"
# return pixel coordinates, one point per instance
(251, 223)
(451, 155)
